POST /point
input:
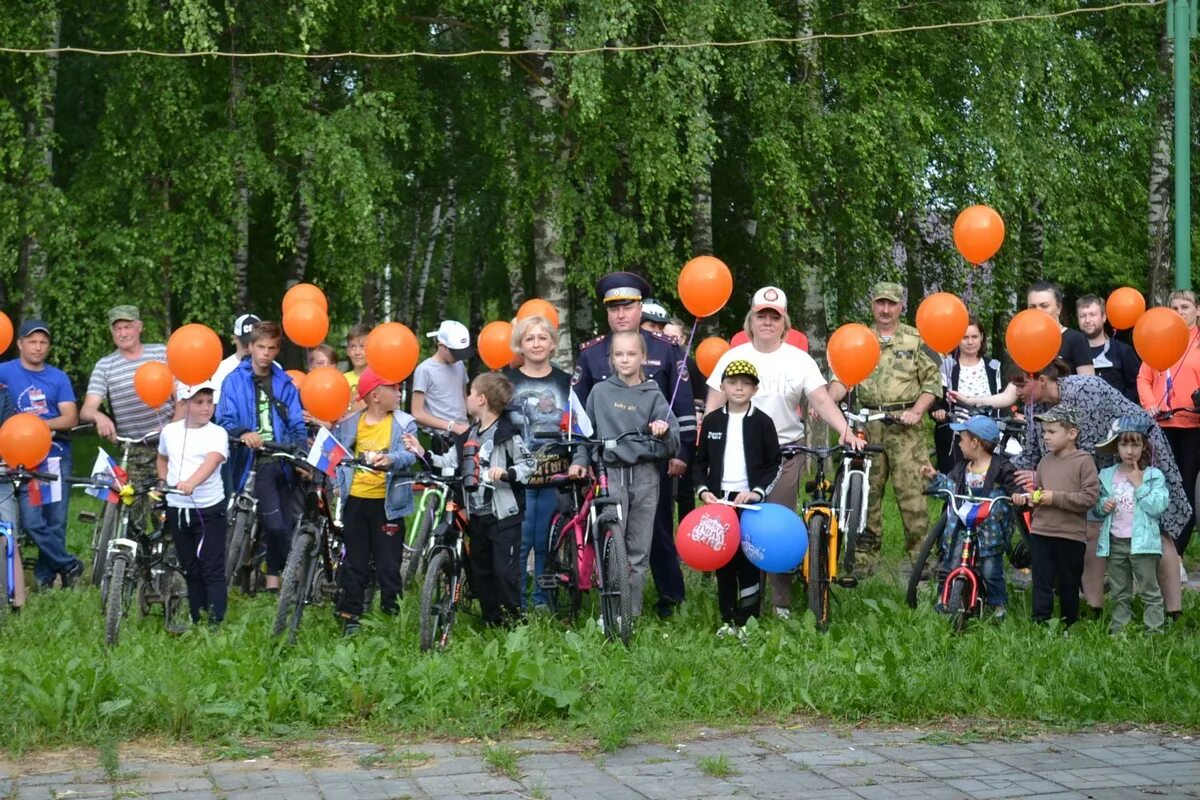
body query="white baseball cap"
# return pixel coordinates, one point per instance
(456, 337)
(243, 325)
(769, 297)
(186, 392)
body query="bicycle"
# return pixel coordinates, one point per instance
(244, 551)
(12, 576)
(445, 588)
(431, 505)
(826, 546)
(106, 524)
(589, 534)
(853, 482)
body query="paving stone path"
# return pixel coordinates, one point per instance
(782, 763)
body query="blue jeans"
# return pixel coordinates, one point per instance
(991, 569)
(47, 526)
(540, 505)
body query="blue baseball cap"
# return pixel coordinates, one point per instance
(981, 427)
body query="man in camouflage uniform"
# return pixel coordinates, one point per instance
(904, 384)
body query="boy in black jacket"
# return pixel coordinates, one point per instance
(737, 460)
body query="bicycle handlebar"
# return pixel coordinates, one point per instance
(592, 442)
(825, 452)
(148, 439)
(951, 496)
(21, 475)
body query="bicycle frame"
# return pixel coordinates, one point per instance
(10, 559)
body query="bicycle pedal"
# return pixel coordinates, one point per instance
(846, 581)
(547, 581)
(87, 516)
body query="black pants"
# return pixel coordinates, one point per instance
(370, 537)
(199, 536)
(1185, 446)
(685, 495)
(495, 565)
(277, 511)
(1057, 564)
(664, 560)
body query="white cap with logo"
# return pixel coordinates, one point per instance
(771, 297)
(455, 336)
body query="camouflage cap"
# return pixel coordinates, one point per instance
(1060, 413)
(885, 290)
(118, 313)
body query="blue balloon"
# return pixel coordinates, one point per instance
(774, 538)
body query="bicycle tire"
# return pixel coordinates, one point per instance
(5, 600)
(956, 606)
(914, 579)
(102, 534)
(420, 541)
(1195, 501)
(854, 515)
(616, 597)
(818, 570)
(437, 602)
(293, 584)
(566, 597)
(175, 604)
(114, 605)
(235, 548)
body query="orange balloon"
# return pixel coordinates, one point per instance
(1160, 338)
(154, 383)
(297, 377)
(305, 291)
(853, 353)
(705, 285)
(24, 441)
(978, 234)
(1032, 339)
(306, 323)
(6, 331)
(942, 320)
(538, 307)
(392, 351)
(1124, 307)
(709, 352)
(194, 353)
(495, 344)
(325, 393)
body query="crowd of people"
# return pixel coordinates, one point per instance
(1108, 466)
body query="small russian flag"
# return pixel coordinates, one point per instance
(50, 492)
(326, 452)
(575, 420)
(973, 514)
(106, 467)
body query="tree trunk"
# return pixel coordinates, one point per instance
(435, 224)
(813, 319)
(448, 252)
(241, 193)
(34, 260)
(404, 307)
(702, 206)
(304, 223)
(1158, 273)
(513, 252)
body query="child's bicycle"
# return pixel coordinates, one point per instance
(853, 483)
(107, 525)
(445, 590)
(587, 548)
(431, 506)
(244, 548)
(11, 577)
(828, 550)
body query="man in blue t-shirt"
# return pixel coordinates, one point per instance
(38, 388)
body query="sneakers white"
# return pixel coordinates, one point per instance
(727, 630)
(782, 612)
(1183, 576)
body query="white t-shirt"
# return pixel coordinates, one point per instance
(226, 366)
(733, 471)
(785, 378)
(186, 449)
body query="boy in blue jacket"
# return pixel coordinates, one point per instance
(259, 403)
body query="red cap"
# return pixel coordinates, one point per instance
(368, 381)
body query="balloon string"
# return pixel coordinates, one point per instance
(681, 367)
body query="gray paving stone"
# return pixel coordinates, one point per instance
(925, 790)
(1169, 772)
(842, 757)
(960, 767)
(886, 772)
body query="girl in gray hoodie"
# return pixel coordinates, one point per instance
(623, 403)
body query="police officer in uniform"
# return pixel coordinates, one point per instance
(666, 365)
(904, 384)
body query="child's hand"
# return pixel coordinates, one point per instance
(576, 472)
(185, 487)
(1109, 506)
(745, 498)
(1136, 476)
(496, 474)
(1043, 497)
(1019, 500)
(413, 446)
(659, 428)
(708, 497)
(928, 472)
(379, 459)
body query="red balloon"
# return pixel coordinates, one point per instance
(1124, 307)
(794, 337)
(709, 352)
(392, 351)
(298, 377)
(708, 537)
(853, 352)
(153, 383)
(194, 353)
(325, 394)
(6, 331)
(495, 344)
(978, 234)
(1033, 339)
(942, 320)
(24, 441)
(306, 323)
(305, 291)
(538, 307)
(738, 338)
(1160, 338)
(705, 285)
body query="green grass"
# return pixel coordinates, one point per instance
(716, 766)
(503, 760)
(880, 662)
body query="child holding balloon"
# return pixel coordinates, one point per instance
(737, 461)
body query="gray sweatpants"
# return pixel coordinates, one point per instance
(636, 488)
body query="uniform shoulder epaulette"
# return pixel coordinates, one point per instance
(591, 342)
(662, 337)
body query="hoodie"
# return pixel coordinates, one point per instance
(616, 408)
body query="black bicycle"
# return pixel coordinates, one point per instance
(244, 551)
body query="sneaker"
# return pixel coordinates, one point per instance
(782, 612)
(541, 608)
(999, 615)
(350, 626)
(71, 576)
(939, 607)
(1183, 576)
(727, 630)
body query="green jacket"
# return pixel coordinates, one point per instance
(1150, 501)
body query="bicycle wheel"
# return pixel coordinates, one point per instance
(294, 582)
(175, 603)
(5, 600)
(561, 578)
(102, 534)
(437, 602)
(854, 516)
(238, 544)
(616, 598)
(420, 540)
(114, 607)
(918, 568)
(818, 569)
(956, 605)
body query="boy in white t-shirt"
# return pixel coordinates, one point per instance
(190, 453)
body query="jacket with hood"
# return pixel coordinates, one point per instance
(237, 413)
(615, 408)
(1150, 500)
(398, 502)
(509, 453)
